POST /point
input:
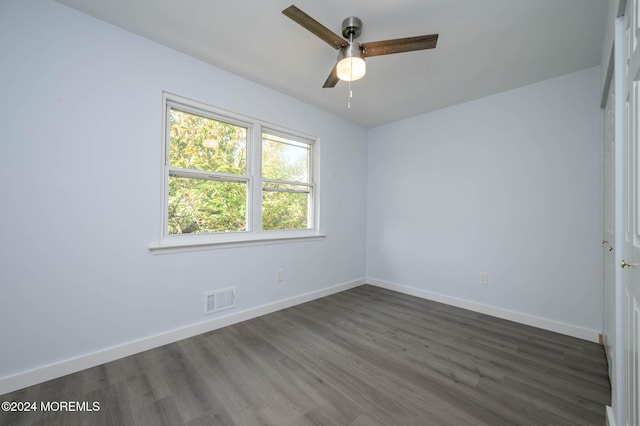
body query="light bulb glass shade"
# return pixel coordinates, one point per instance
(351, 69)
(351, 65)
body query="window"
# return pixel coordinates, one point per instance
(229, 178)
(286, 184)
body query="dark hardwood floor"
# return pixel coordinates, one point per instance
(367, 356)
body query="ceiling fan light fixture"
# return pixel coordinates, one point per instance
(351, 65)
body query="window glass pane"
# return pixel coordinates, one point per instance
(198, 206)
(285, 159)
(205, 144)
(284, 210)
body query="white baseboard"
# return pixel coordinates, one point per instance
(72, 365)
(611, 420)
(534, 321)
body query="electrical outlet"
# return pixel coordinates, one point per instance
(483, 278)
(279, 275)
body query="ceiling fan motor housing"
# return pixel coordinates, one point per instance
(351, 50)
(351, 26)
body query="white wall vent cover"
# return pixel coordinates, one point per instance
(219, 300)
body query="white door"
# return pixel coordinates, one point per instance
(608, 237)
(631, 244)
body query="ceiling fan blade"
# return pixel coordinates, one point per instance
(399, 45)
(315, 27)
(333, 79)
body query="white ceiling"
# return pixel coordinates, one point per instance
(485, 47)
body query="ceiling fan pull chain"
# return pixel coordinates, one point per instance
(351, 70)
(350, 79)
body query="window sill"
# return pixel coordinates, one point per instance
(178, 245)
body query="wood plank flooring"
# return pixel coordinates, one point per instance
(367, 356)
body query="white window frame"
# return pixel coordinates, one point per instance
(254, 233)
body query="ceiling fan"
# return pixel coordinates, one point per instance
(351, 65)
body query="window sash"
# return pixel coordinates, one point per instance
(293, 191)
(289, 140)
(199, 174)
(186, 221)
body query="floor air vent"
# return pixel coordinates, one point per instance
(219, 300)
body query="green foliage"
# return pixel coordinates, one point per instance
(205, 144)
(284, 210)
(205, 206)
(199, 204)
